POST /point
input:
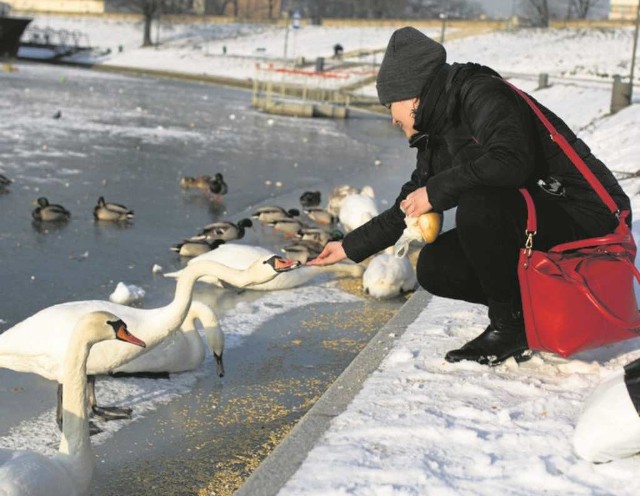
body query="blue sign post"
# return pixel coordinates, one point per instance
(295, 24)
(295, 20)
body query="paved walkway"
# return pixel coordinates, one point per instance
(284, 461)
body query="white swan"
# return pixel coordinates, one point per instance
(182, 350)
(337, 195)
(240, 256)
(609, 426)
(357, 209)
(424, 229)
(388, 276)
(68, 472)
(38, 343)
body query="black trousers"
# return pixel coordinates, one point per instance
(477, 260)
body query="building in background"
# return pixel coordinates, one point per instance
(247, 9)
(623, 9)
(62, 6)
(244, 9)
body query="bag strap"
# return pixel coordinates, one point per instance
(577, 278)
(569, 151)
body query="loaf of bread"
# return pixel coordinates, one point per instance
(430, 225)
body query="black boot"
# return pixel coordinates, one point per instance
(503, 338)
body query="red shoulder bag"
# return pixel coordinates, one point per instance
(578, 295)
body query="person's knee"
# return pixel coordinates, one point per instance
(429, 271)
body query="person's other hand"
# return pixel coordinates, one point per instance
(333, 252)
(416, 203)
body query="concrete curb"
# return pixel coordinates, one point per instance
(274, 472)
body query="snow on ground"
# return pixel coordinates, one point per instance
(420, 425)
(232, 50)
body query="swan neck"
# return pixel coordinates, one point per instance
(176, 311)
(235, 277)
(75, 451)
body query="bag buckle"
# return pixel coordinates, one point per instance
(528, 244)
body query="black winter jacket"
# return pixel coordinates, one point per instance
(475, 131)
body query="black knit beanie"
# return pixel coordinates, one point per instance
(410, 61)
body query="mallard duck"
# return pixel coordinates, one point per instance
(310, 199)
(194, 247)
(302, 252)
(113, 212)
(217, 186)
(290, 227)
(4, 181)
(321, 216)
(197, 182)
(271, 213)
(49, 212)
(224, 230)
(319, 235)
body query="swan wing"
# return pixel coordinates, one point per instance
(182, 350)
(356, 210)
(38, 344)
(236, 256)
(179, 352)
(33, 474)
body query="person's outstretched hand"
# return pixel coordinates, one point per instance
(333, 252)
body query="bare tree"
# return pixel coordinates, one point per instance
(384, 9)
(151, 10)
(218, 7)
(234, 5)
(433, 9)
(540, 10)
(271, 4)
(582, 7)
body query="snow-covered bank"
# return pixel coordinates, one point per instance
(420, 425)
